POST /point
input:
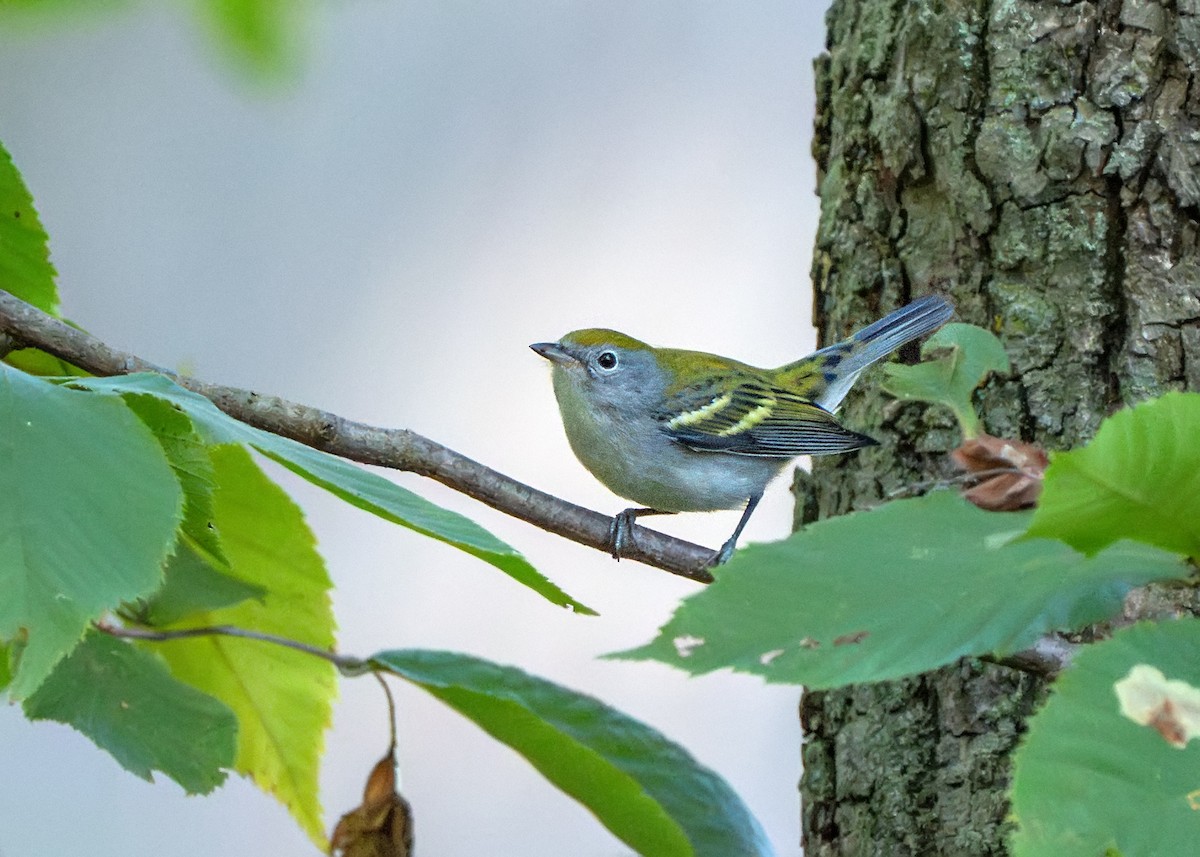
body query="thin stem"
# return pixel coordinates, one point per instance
(1048, 656)
(347, 665)
(391, 704)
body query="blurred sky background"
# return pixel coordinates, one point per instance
(442, 184)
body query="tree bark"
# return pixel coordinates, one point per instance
(1038, 162)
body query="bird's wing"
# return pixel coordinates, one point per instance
(760, 419)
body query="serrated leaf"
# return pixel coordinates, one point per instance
(1086, 778)
(88, 512)
(903, 589)
(968, 354)
(128, 703)
(196, 577)
(191, 586)
(189, 458)
(1138, 478)
(25, 268)
(650, 793)
(282, 698)
(362, 488)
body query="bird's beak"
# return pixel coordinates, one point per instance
(554, 352)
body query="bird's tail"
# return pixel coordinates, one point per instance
(840, 364)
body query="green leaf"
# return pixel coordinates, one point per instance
(968, 355)
(197, 575)
(189, 458)
(648, 792)
(1138, 478)
(359, 487)
(36, 362)
(261, 36)
(192, 586)
(88, 511)
(903, 589)
(384, 498)
(281, 697)
(25, 268)
(1087, 778)
(126, 701)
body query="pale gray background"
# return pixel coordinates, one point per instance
(444, 184)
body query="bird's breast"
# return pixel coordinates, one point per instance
(634, 459)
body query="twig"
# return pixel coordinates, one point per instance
(1048, 657)
(398, 449)
(347, 666)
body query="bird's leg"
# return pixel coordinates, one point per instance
(620, 533)
(722, 556)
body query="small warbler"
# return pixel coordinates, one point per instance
(685, 431)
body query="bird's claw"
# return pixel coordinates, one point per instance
(620, 532)
(722, 556)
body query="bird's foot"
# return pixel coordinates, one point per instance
(620, 532)
(722, 556)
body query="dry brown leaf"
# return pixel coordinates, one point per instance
(382, 826)
(1010, 472)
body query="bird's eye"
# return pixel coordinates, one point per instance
(607, 360)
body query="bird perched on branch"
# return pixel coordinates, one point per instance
(686, 431)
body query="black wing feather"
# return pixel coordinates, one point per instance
(762, 420)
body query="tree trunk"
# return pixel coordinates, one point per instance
(1038, 162)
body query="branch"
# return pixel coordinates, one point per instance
(22, 325)
(398, 449)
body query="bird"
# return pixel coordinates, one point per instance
(686, 431)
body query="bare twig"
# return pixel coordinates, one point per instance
(346, 665)
(398, 449)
